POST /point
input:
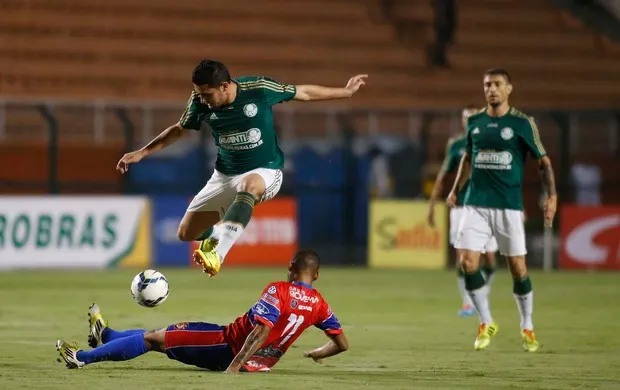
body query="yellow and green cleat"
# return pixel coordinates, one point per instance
(97, 326)
(68, 353)
(206, 257)
(529, 340)
(485, 332)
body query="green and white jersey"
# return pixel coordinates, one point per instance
(498, 149)
(454, 152)
(243, 131)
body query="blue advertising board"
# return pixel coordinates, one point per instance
(168, 250)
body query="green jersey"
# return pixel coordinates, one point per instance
(454, 152)
(243, 131)
(498, 149)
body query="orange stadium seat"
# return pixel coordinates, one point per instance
(145, 50)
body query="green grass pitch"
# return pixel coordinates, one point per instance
(402, 326)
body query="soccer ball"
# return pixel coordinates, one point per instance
(149, 288)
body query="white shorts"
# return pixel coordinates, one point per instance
(479, 224)
(219, 192)
(456, 214)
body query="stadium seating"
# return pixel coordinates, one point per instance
(553, 59)
(145, 49)
(139, 49)
(133, 50)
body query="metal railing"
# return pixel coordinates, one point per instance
(570, 137)
(104, 120)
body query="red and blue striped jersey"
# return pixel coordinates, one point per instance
(288, 309)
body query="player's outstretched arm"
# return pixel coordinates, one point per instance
(308, 93)
(253, 342)
(462, 175)
(164, 139)
(548, 178)
(336, 345)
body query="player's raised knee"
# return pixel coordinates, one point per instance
(253, 184)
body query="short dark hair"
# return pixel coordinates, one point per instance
(211, 73)
(498, 72)
(306, 261)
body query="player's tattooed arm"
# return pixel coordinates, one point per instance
(307, 93)
(546, 172)
(253, 342)
(336, 345)
(551, 203)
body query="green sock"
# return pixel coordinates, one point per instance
(206, 234)
(522, 286)
(241, 210)
(235, 220)
(475, 283)
(524, 296)
(474, 280)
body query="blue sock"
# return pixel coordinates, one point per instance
(110, 334)
(126, 348)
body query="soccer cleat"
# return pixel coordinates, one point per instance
(97, 325)
(208, 245)
(206, 257)
(68, 352)
(485, 332)
(529, 340)
(467, 311)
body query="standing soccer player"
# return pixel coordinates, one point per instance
(454, 152)
(249, 160)
(498, 142)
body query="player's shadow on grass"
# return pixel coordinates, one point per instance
(281, 372)
(162, 368)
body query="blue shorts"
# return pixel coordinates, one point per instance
(198, 344)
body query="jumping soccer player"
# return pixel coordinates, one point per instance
(253, 342)
(498, 142)
(454, 152)
(249, 160)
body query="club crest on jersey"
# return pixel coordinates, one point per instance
(272, 290)
(261, 309)
(506, 133)
(181, 325)
(294, 304)
(250, 110)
